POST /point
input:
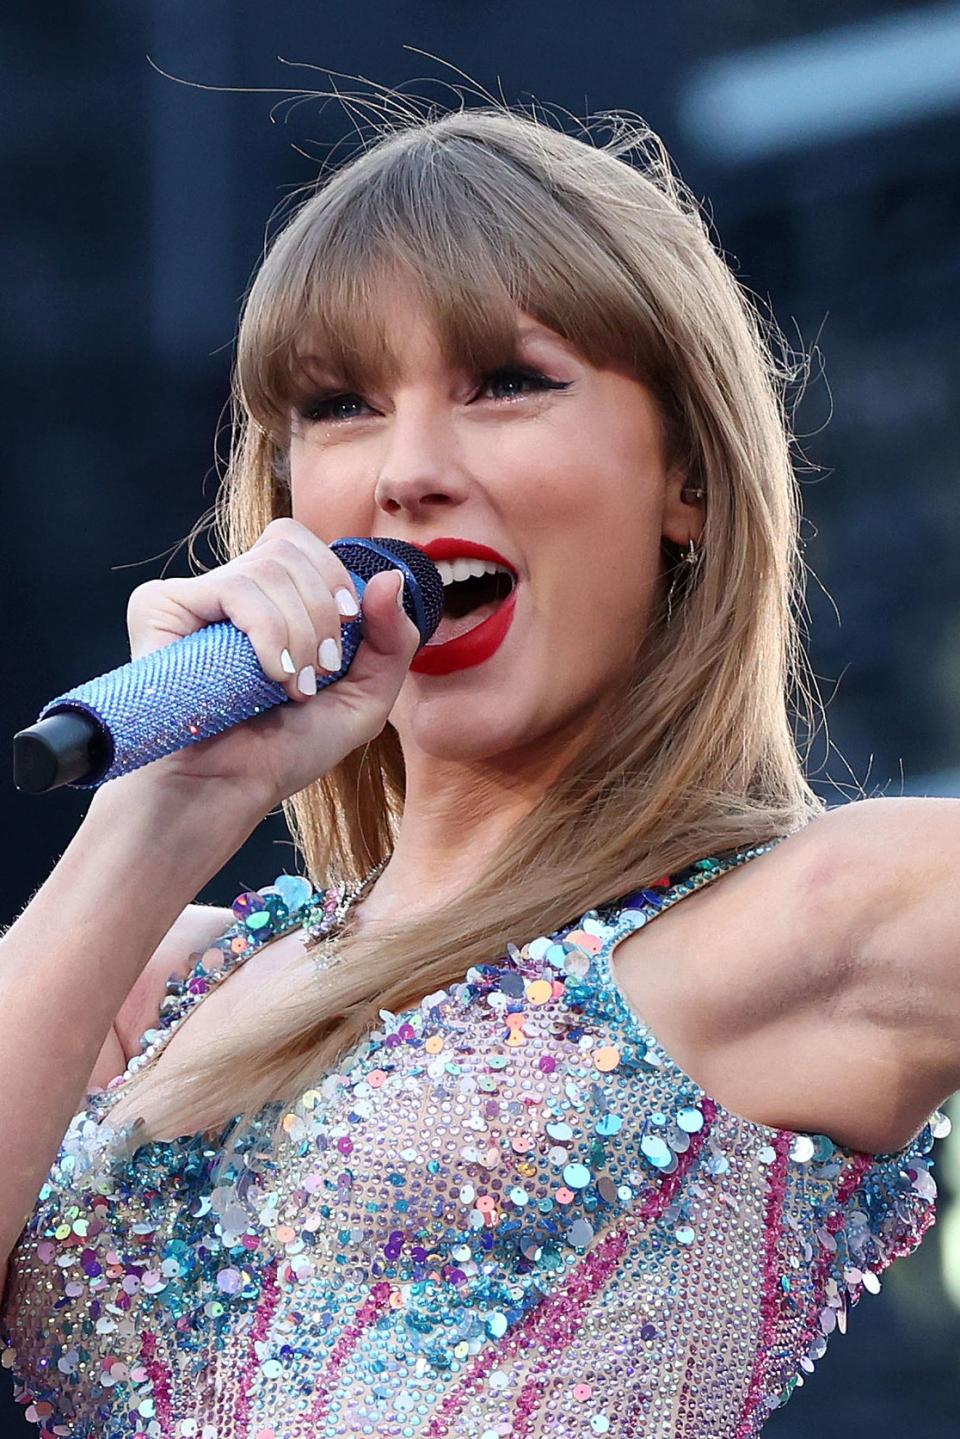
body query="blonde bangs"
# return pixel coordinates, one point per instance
(448, 225)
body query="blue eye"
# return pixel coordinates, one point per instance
(329, 408)
(322, 408)
(527, 377)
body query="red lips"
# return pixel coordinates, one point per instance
(486, 638)
(469, 649)
(448, 549)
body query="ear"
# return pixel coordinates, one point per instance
(682, 518)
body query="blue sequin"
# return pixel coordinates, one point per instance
(449, 1238)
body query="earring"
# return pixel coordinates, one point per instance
(691, 555)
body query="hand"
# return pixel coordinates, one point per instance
(281, 594)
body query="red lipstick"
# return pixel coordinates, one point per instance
(450, 549)
(485, 638)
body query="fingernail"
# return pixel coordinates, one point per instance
(329, 655)
(400, 591)
(307, 680)
(346, 604)
(288, 663)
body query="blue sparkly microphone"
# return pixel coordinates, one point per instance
(195, 687)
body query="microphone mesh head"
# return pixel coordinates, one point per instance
(423, 587)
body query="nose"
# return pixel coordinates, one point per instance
(420, 467)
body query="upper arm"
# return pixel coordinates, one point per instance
(876, 952)
(897, 861)
(192, 932)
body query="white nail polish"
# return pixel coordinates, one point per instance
(288, 663)
(307, 680)
(346, 604)
(329, 655)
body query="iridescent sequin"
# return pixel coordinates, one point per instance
(506, 1212)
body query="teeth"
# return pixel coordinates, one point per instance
(453, 570)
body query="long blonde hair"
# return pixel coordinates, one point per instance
(484, 211)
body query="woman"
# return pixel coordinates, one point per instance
(421, 1167)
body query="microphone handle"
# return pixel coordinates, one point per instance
(197, 686)
(175, 696)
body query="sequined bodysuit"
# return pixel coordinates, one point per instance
(507, 1213)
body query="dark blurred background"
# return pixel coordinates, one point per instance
(826, 143)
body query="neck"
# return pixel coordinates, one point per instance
(456, 817)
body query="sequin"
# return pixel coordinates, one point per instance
(506, 1212)
(607, 1057)
(656, 1150)
(576, 1176)
(559, 1130)
(610, 1124)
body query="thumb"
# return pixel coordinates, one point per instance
(387, 628)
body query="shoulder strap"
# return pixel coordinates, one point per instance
(644, 904)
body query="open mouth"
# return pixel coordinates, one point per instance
(470, 598)
(466, 596)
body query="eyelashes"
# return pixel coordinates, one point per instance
(328, 408)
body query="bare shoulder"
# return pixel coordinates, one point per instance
(196, 928)
(790, 992)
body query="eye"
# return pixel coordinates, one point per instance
(328, 408)
(520, 377)
(512, 380)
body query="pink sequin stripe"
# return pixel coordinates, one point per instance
(159, 1375)
(548, 1316)
(557, 1320)
(769, 1302)
(656, 1203)
(367, 1313)
(561, 1328)
(848, 1185)
(259, 1328)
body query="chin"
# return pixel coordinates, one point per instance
(453, 729)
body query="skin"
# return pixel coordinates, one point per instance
(792, 956)
(555, 480)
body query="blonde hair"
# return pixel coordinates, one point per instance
(485, 211)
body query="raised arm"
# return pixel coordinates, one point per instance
(895, 880)
(853, 1013)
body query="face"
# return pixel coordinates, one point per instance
(559, 469)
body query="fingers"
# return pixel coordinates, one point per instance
(290, 595)
(262, 600)
(313, 617)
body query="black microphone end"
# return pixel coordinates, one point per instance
(63, 748)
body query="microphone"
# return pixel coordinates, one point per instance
(195, 687)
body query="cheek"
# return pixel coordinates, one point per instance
(330, 506)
